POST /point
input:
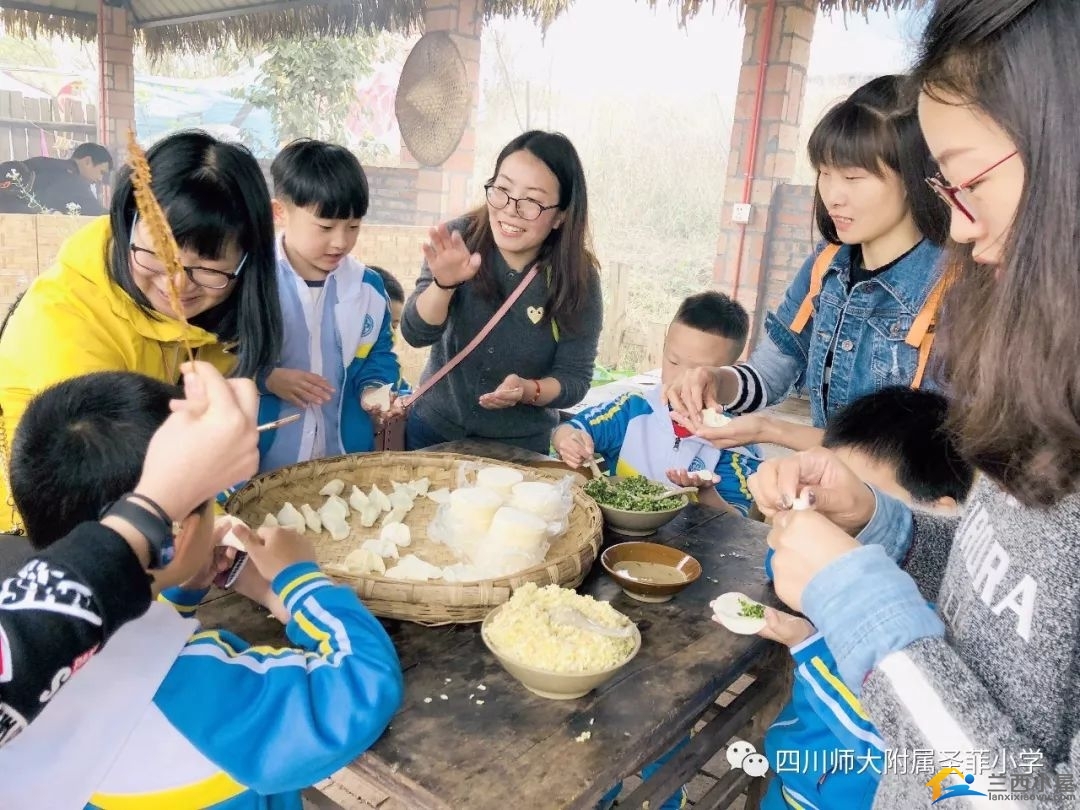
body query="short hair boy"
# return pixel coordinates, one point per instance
(244, 725)
(635, 433)
(338, 348)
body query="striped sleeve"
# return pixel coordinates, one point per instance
(272, 718)
(607, 423)
(752, 395)
(733, 470)
(186, 602)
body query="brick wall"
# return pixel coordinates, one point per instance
(116, 75)
(788, 241)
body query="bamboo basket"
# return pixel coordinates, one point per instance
(434, 602)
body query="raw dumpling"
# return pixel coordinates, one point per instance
(378, 397)
(397, 533)
(357, 499)
(394, 516)
(713, 418)
(337, 527)
(311, 518)
(440, 496)
(270, 521)
(412, 567)
(379, 499)
(364, 561)
(419, 486)
(370, 515)
(230, 539)
(401, 500)
(499, 479)
(334, 509)
(384, 547)
(705, 476)
(290, 518)
(334, 487)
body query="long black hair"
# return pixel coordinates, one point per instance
(875, 128)
(567, 249)
(213, 193)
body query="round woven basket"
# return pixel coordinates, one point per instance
(432, 603)
(433, 99)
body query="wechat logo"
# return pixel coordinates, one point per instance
(742, 756)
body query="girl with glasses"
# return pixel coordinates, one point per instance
(105, 306)
(540, 356)
(849, 323)
(992, 665)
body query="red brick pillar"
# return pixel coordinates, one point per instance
(116, 76)
(446, 191)
(792, 27)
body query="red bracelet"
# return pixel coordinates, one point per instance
(536, 396)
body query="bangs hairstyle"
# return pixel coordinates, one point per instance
(876, 129)
(322, 176)
(567, 249)
(213, 194)
(1004, 58)
(81, 445)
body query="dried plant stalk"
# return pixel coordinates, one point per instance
(160, 234)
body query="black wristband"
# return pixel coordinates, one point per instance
(444, 286)
(151, 522)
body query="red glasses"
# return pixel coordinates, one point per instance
(954, 195)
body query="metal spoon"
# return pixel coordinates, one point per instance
(575, 618)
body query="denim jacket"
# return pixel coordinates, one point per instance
(870, 324)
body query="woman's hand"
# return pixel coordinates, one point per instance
(700, 388)
(834, 491)
(509, 393)
(448, 258)
(804, 542)
(298, 387)
(574, 446)
(740, 431)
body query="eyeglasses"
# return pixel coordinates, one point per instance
(955, 196)
(200, 276)
(523, 207)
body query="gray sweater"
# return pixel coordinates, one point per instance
(518, 345)
(1003, 678)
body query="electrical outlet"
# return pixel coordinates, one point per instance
(740, 213)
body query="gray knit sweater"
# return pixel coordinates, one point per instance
(522, 344)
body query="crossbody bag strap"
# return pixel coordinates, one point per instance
(476, 341)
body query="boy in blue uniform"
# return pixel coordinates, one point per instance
(895, 440)
(338, 348)
(395, 295)
(168, 715)
(635, 433)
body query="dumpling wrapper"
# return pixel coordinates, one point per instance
(705, 476)
(370, 515)
(726, 610)
(357, 499)
(290, 518)
(439, 496)
(311, 518)
(270, 521)
(382, 546)
(230, 539)
(394, 516)
(419, 486)
(801, 502)
(412, 567)
(713, 418)
(337, 527)
(397, 533)
(333, 487)
(364, 561)
(377, 397)
(379, 499)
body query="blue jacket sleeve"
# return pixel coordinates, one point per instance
(607, 423)
(374, 364)
(733, 469)
(832, 702)
(277, 720)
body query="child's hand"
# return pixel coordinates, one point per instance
(256, 587)
(785, 628)
(273, 549)
(298, 387)
(574, 446)
(448, 258)
(217, 563)
(684, 478)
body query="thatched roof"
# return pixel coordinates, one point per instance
(202, 25)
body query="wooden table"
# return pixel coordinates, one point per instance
(517, 749)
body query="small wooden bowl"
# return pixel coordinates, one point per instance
(679, 563)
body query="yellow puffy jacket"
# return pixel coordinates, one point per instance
(74, 320)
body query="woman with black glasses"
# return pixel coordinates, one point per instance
(105, 305)
(540, 355)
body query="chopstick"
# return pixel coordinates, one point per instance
(286, 420)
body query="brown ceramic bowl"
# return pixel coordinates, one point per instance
(650, 572)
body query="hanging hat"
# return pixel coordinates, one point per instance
(433, 99)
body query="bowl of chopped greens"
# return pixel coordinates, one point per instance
(629, 505)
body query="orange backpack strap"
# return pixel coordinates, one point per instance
(921, 334)
(817, 276)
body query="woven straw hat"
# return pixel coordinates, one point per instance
(433, 99)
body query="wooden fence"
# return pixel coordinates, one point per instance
(42, 127)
